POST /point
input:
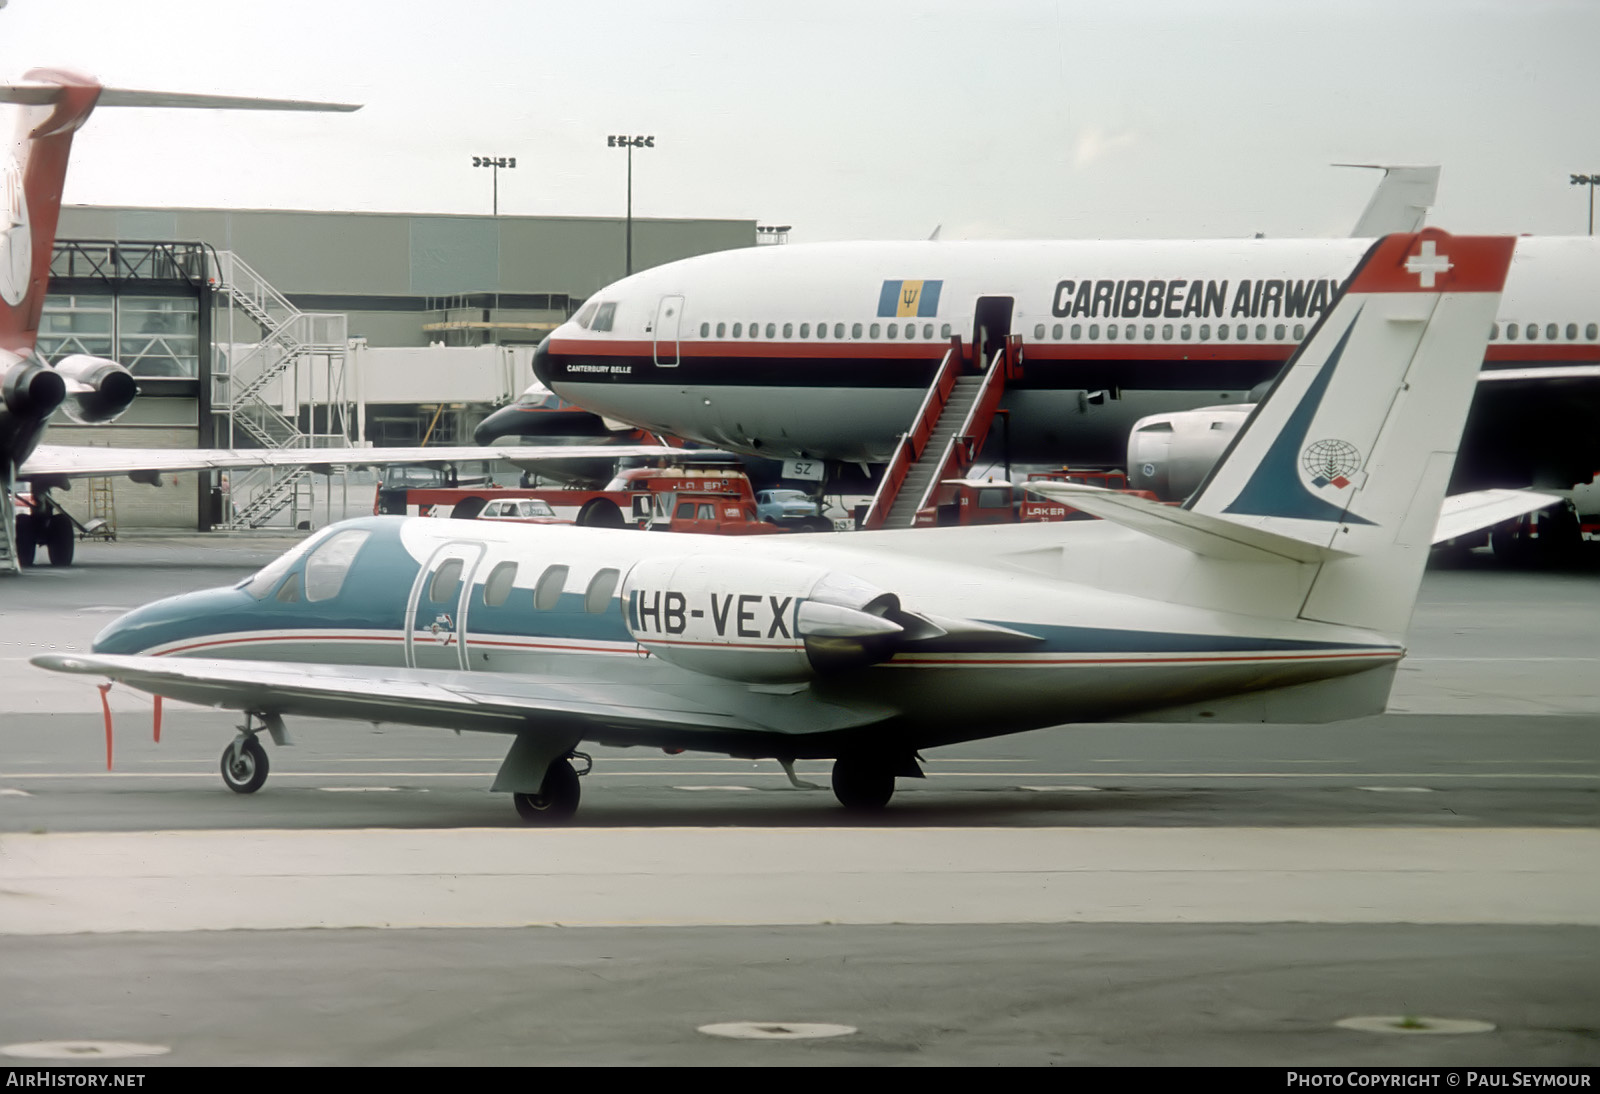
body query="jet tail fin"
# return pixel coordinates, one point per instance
(1352, 448)
(1401, 201)
(48, 110)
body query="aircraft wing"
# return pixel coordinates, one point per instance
(75, 461)
(483, 701)
(1463, 513)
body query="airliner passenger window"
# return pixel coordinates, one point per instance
(1532, 331)
(1222, 332)
(1185, 332)
(1149, 332)
(705, 330)
(1277, 333)
(446, 582)
(1129, 331)
(1055, 333)
(722, 330)
(1077, 331)
(755, 330)
(944, 331)
(1244, 332)
(838, 330)
(772, 330)
(788, 331)
(738, 330)
(604, 317)
(1572, 332)
(927, 330)
(1205, 332)
(497, 587)
(1550, 332)
(1591, 332)
(547, 593)
(872, 333)
(601, 586)
(1111, 331)
(329, 563)
(1094, 331)
(805, 330)
(1038, 332)
(894, 330)
(1166, 332)
(1511, 332)
(1299, 331)
(911, 330)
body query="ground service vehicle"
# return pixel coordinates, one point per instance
(965, 502)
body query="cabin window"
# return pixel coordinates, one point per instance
(1572, 332)
(1299, 331)
(329, 563)
(722, 330)
(911, 331)
(497, 588)
(1129, 331)
(446, 582)
(1205, 332)
(872, 331)
(1166, 332)
(547, 593)
(1185, 332)
(738, 330)
(1532, 332)
(788, 331)
(1111, 331)
(1278, 333)
(1094, 331)
(289, 593)
(894, 330)
(927, 330)
(1149, 332)
(1038, 332)
(772, 330)
(1591, 332)
(1244, 332)
(1077, 331)
(1551, 332)
(838, 331)
(705, 330)
(598, 595)
(1055, 333)
(1494, 331)
(1222, 332)
(944, 331)
(1511, 332)
(822, 330)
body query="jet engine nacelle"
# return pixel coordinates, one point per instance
(1170, 454)
(111, 388)
(32, 390)
(758, 621)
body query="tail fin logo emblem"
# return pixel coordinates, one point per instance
(1330, 463)
(1429, 263)
(16, 238)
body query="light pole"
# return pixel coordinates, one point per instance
(630, 143)
(1591, 181)
(495, 162)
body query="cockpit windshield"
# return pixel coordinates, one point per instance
(266, 578)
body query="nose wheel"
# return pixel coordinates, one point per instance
(244, 766)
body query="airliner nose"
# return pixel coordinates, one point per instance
(543, 367)
(171, 620)
(496, 425)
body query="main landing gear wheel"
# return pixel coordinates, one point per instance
(59, 540)
(557, 799)
(862, 785)
(244, 773)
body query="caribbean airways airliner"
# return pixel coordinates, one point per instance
(824, 351)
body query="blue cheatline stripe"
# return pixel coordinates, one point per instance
(1274, 488)
(889, 299)
(928, 304)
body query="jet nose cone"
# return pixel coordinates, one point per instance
(543, 366)
(495, 426)
(169, 621)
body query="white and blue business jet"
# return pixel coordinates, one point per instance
(1280, 592)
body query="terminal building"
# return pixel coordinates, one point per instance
(250, 328)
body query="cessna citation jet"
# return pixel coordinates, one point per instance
(826, 351)
(48, 110)
(1281, 591)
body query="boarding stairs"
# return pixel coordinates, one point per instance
(8, 534)
(293, 359)
(946, 434)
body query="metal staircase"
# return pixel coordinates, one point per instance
(282, 358)
(8, 534)
(945, 436)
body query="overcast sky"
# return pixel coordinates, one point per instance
(857, 119)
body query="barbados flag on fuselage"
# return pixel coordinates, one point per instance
(909, 299)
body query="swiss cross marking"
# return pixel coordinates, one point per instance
(1428, 263)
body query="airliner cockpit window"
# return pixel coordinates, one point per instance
(587, 315)
(329, 563)
(604, 317)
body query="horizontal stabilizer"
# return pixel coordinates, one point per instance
(1214, 537)
(44, 95)
(1463, 513)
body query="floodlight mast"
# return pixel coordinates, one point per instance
(630, 143)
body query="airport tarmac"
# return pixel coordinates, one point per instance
(1089, 894)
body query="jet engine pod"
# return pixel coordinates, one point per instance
(1170, 454)
(101, 389)
(756, 620)
(32, 390)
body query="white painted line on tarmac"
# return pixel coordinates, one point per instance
(71, 883)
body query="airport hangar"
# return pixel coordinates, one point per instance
(248, 328)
